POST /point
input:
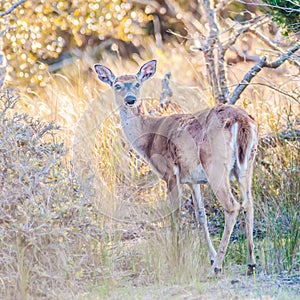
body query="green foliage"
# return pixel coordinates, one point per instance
(285, 13)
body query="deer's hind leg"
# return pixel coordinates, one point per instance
(244, 177)
(218, 178)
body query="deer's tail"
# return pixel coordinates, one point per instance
(246, 140)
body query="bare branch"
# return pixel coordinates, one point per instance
(287, 9)
(215, 60)
(222, 74)
(180, 36)
(8, 101)
(14, 6)
(282, 58)
(246, 80)
(257, 68)
(255, 22)
(270, 43)
(222, 4)
(208, 51)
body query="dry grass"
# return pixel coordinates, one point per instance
(105, 233)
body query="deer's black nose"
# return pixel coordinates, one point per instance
(130, 100)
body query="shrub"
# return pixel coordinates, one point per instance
(285, 13)
(45, 222)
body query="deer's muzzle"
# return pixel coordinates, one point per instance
(130, 100)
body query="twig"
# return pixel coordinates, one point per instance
(179, 35)
(257, 68)
(285, 135)
(222, 4)
(8, 102)
(254, 23)
(215, 60)
(166, 90)
(246, 80)
(283, 57)
(270, 43)
(272, 6)
(14, 6)
(285, 93)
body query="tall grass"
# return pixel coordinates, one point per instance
(277, 190)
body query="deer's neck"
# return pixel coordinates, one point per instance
(138, 127)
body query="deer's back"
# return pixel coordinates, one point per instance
(188, 141)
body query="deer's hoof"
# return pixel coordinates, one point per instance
(214, 272)
(251, 269)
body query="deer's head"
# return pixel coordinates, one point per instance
(126, 87)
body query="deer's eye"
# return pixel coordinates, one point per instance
(118, 87)
(137, 85)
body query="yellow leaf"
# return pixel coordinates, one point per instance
(76, 12)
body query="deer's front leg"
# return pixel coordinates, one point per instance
(202, 220)
(174, 192)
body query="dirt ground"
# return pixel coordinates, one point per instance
(232, 286)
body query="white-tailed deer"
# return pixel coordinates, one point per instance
(208, 146)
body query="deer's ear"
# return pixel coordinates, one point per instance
(147, 70)
(105, 74)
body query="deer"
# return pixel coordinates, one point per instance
(210, 146)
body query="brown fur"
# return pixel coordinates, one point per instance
(230, 115)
